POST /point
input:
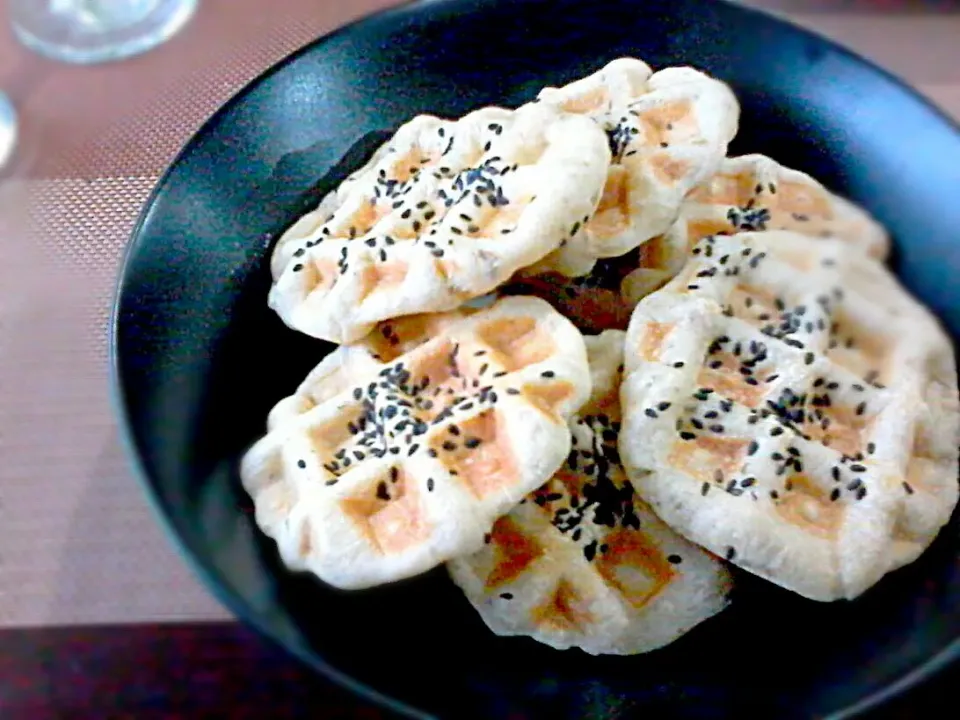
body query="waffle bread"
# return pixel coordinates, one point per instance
(668, 131)
(444, 212)
(351, 365)
(582, 561)
(383, 468)
(752, 193)
(788, 406)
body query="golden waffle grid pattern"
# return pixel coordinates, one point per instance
(417, 460)
(790, 413)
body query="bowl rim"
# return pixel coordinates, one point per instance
(209, 576)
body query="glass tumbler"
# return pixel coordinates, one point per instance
(92, 31)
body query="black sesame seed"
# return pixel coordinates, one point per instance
(731, 551)
(908, 488)
(705, 488)
(590, 550)
(548, 374)
(687, 436)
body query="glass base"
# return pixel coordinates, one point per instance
(8, 130)
(93, 31)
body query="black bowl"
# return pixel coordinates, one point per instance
(199, 359)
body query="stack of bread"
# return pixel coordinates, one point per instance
(587, 361)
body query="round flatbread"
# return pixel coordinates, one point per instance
(791, 408)
(582, 561)
(396, 455)
(668, 131)
(751, 193)
(444, 212)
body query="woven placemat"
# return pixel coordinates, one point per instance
(78, 543)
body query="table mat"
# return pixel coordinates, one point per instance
(78, 544)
